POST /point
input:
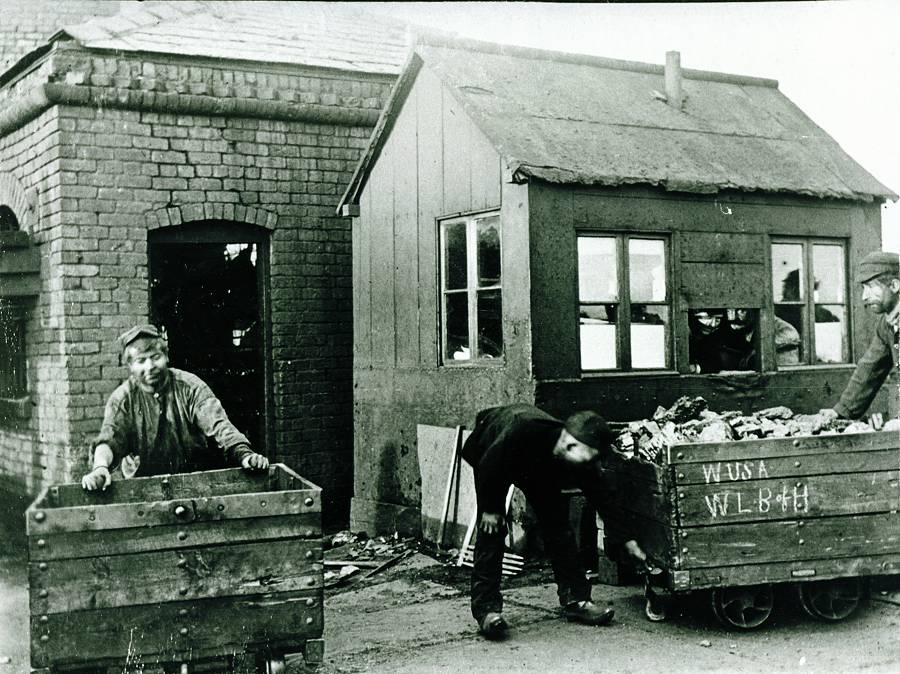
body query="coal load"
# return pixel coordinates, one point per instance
(690, 420)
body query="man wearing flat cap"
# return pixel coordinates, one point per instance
(522, 445)
(158, 420)
(879, 274)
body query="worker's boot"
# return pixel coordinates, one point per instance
(588, 612)
(493, 626)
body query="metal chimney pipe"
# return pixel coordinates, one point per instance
(674, 95)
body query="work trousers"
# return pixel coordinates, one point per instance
(551, 509)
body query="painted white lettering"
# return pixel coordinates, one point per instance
(761, 472)
(801, 499)
(741, 509)
(746, 471)
(716, 504)
(732, 471)
(784, 497)
(765, 501)
(712, 472)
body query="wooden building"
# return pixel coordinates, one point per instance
(582, 232)
(180, 162)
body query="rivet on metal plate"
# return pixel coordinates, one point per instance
(309, 621)
(680, 455)
(182, 535)
(45, 637)
(42, 566)
(310, 602)
(41, 542)
(308, 501)
(40, 516)
(183, 631)
(43, 594)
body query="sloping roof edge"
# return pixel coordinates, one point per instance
(397, 98)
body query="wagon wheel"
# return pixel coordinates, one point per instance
(270, 663)
(743, 607)
(830, 600)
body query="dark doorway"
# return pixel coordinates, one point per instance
(208, 288)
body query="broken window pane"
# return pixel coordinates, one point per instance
(598, 337)
(455, 269)
(490, 325)
(828, 268)
(488, 251)
(597, 269)
(648, 336)
(647, 270)
(789, 334)
(456, 312)
(723, 339)
(787, 272)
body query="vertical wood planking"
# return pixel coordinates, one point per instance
(457, 176)
(405, 233)
(427, 94)
(381, 183)
(362, 284)
(484, 171)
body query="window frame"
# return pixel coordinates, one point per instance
(808, 304)
(471, 290)
(623, 321)
(16, 312)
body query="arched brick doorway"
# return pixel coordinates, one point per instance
(209, 291)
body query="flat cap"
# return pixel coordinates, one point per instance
(144, 330)
(590, 428)
(878, 263)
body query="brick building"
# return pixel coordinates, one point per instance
(181, 162)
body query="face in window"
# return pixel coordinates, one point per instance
(148, 362)
(706, 322)
(880, 294)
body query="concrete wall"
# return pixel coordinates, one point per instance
(139, 145)
(434, 164)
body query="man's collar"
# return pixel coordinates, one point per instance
(893, 318)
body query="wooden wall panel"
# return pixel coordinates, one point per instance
(716, 284)
(484, 171)
(457, 171)
(405, 231)
(381, 252)
(362, 284)
(430, 189)
(722, 247)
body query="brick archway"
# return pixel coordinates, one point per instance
(178, 215)
(14, 196)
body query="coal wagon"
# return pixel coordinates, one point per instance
(213, 571)
(738, 518)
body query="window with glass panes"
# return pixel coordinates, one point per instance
(471, 303)
(623, 303)
(809, 290)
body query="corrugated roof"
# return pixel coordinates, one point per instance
(587, 120)
(327, 35)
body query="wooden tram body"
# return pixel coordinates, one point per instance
(177, 571)
(737, 518)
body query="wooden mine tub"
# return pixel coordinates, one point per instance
(177, 573)
(737, 518)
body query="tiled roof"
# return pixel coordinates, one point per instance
(577, 119)
(328, 35)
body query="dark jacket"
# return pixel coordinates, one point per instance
(871, 371)
(514, 445)
(170, 443)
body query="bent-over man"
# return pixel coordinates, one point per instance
(158, 420)
(522, 445)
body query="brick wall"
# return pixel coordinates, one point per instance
(142, 162)
(27, 24)
(35, 451)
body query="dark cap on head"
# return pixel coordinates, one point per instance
(145, 330)
(878, 263)
(590, 428)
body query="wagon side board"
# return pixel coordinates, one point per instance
(784, 510)
(643, 509)
(150, 634)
